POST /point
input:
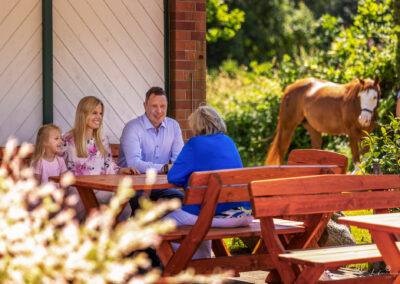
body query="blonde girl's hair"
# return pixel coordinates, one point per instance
(206, 121)
(41, 138)
(85, 108)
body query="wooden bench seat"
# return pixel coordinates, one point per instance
(313, 196)
(332, 257)
(282, 227)
(25, 161)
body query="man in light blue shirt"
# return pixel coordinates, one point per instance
(151, 141)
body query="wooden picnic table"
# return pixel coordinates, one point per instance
(85, 185)
(384, 230)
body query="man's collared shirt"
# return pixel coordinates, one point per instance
(142, 147)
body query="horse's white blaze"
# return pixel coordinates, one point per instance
(318, 85)
(369, 101)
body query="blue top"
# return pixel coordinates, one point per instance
(142, 147)
(205, 153)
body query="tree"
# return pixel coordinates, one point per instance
(223, 24)
(271, 29)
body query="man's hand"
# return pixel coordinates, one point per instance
(165, 169)
(129, 171)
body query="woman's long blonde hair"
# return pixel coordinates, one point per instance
(85, 108)
(41, 138)
(206, 121)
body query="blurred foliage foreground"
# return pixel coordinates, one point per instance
(249, 97)
(41, 242)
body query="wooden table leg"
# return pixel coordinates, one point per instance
(88, 198)
(386, 243)
(165, 252)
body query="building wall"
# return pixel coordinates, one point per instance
(187, 59)
(20, 69)
(112, 49)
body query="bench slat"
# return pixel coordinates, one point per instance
(317, 157)
(236, 181)
(244, 175)
(282, 226)
(324, 184)
(318, 203)
(236, 263)
(334, 256)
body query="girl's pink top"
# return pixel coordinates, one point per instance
(47, 169)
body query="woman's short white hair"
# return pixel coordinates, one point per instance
(206, 121)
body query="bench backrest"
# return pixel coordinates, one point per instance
(234, 182)
(323, 193)
(317, 157)
(26, 161)
(114, 151)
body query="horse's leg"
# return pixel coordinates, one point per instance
(316, 137)
(354, 139)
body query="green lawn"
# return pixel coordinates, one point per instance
(361, 236)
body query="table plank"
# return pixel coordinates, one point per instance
(382, 222)
(111, 182)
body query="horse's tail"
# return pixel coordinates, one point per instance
(273, 156)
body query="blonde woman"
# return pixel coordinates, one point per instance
(87, 150)
(209, 149)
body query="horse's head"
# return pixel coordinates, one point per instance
(369, 99)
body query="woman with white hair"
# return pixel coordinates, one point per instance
(209, 149)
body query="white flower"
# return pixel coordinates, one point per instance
(67, 179)
(151, 175)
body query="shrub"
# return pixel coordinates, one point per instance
(384, 149)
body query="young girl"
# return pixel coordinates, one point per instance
(45, 158)
(87, 150)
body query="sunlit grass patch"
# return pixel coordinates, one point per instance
(361, 236)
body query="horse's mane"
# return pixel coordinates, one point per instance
(353, 88)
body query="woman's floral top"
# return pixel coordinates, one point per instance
(94, 164)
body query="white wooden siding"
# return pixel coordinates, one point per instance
(20, 69)
(112, 49)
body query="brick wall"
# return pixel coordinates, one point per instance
(187, 36)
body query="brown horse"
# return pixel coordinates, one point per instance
(323, 106)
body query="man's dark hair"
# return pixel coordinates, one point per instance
(158, 91)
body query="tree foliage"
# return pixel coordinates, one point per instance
(368, 47)
(222, 23)
(271, 28)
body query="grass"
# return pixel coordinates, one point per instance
(361, 236)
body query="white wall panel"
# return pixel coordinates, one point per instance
(113, 49)
(20, 69)
(103, 48)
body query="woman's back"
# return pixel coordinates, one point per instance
(204, 153)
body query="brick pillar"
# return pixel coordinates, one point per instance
(187, 59)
